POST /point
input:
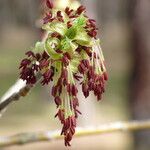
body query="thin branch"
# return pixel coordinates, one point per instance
(18, 90)
(25, 138)
(14, 94)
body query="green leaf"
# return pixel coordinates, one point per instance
(50, 48)
(80, 21)
(65, 44)
(73, 47)
(39, 47)
(56, 27)
(83, 39)
(71, 32)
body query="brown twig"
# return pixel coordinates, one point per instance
(24, 138)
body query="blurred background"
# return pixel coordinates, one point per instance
(124, 29)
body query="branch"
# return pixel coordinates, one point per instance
(25, 138)
(19, 89)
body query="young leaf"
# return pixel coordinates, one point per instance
(71, 32)
(80, 21)
(83, 39)
(50, 47)
(65, 43)
(39, 46)
(56, 27)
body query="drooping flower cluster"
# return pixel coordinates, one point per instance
(70, 53)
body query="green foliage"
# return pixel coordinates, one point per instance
(50, 46)
(71, 32)
(80, 22)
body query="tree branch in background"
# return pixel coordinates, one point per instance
(25, 138)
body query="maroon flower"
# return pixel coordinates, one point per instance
(69, 24)
(24, 63)
(92, 33)
(68, 129)
(68, 11)
(60, 58)
(85, 90)
(30, 53)
(66, 58)
(56, 34)
(59, 16)
(54, 90)
(48, 18)
(80, 10)
(47, 76)
(49, 4)
(44, 63)
(58, 101)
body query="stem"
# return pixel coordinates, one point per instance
(25, 138)
(18, 90)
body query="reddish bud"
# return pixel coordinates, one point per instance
(85, 90)
(56, 34)
(59, 51)
(44, 64)
(105, 76)
(48, 18)
(59, 16)
(92, 33)
(49, 4)
(68, 11)
(74, 90)
(69, 24)
(80, 10)
(30, 53)
(67, 55)
(54, 91)
(24, 63)
(57, 100)
(65, 59)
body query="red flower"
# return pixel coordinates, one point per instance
(49, 4)
(80, 10)
(61, 59)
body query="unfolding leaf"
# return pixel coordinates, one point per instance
(83, 39)
(80, 21)
(50, 47)
(58, 27)
(71, 32)
(39, 46)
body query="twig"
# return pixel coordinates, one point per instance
(25, 138)
(19, 89)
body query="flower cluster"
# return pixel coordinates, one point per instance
(70, 53)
